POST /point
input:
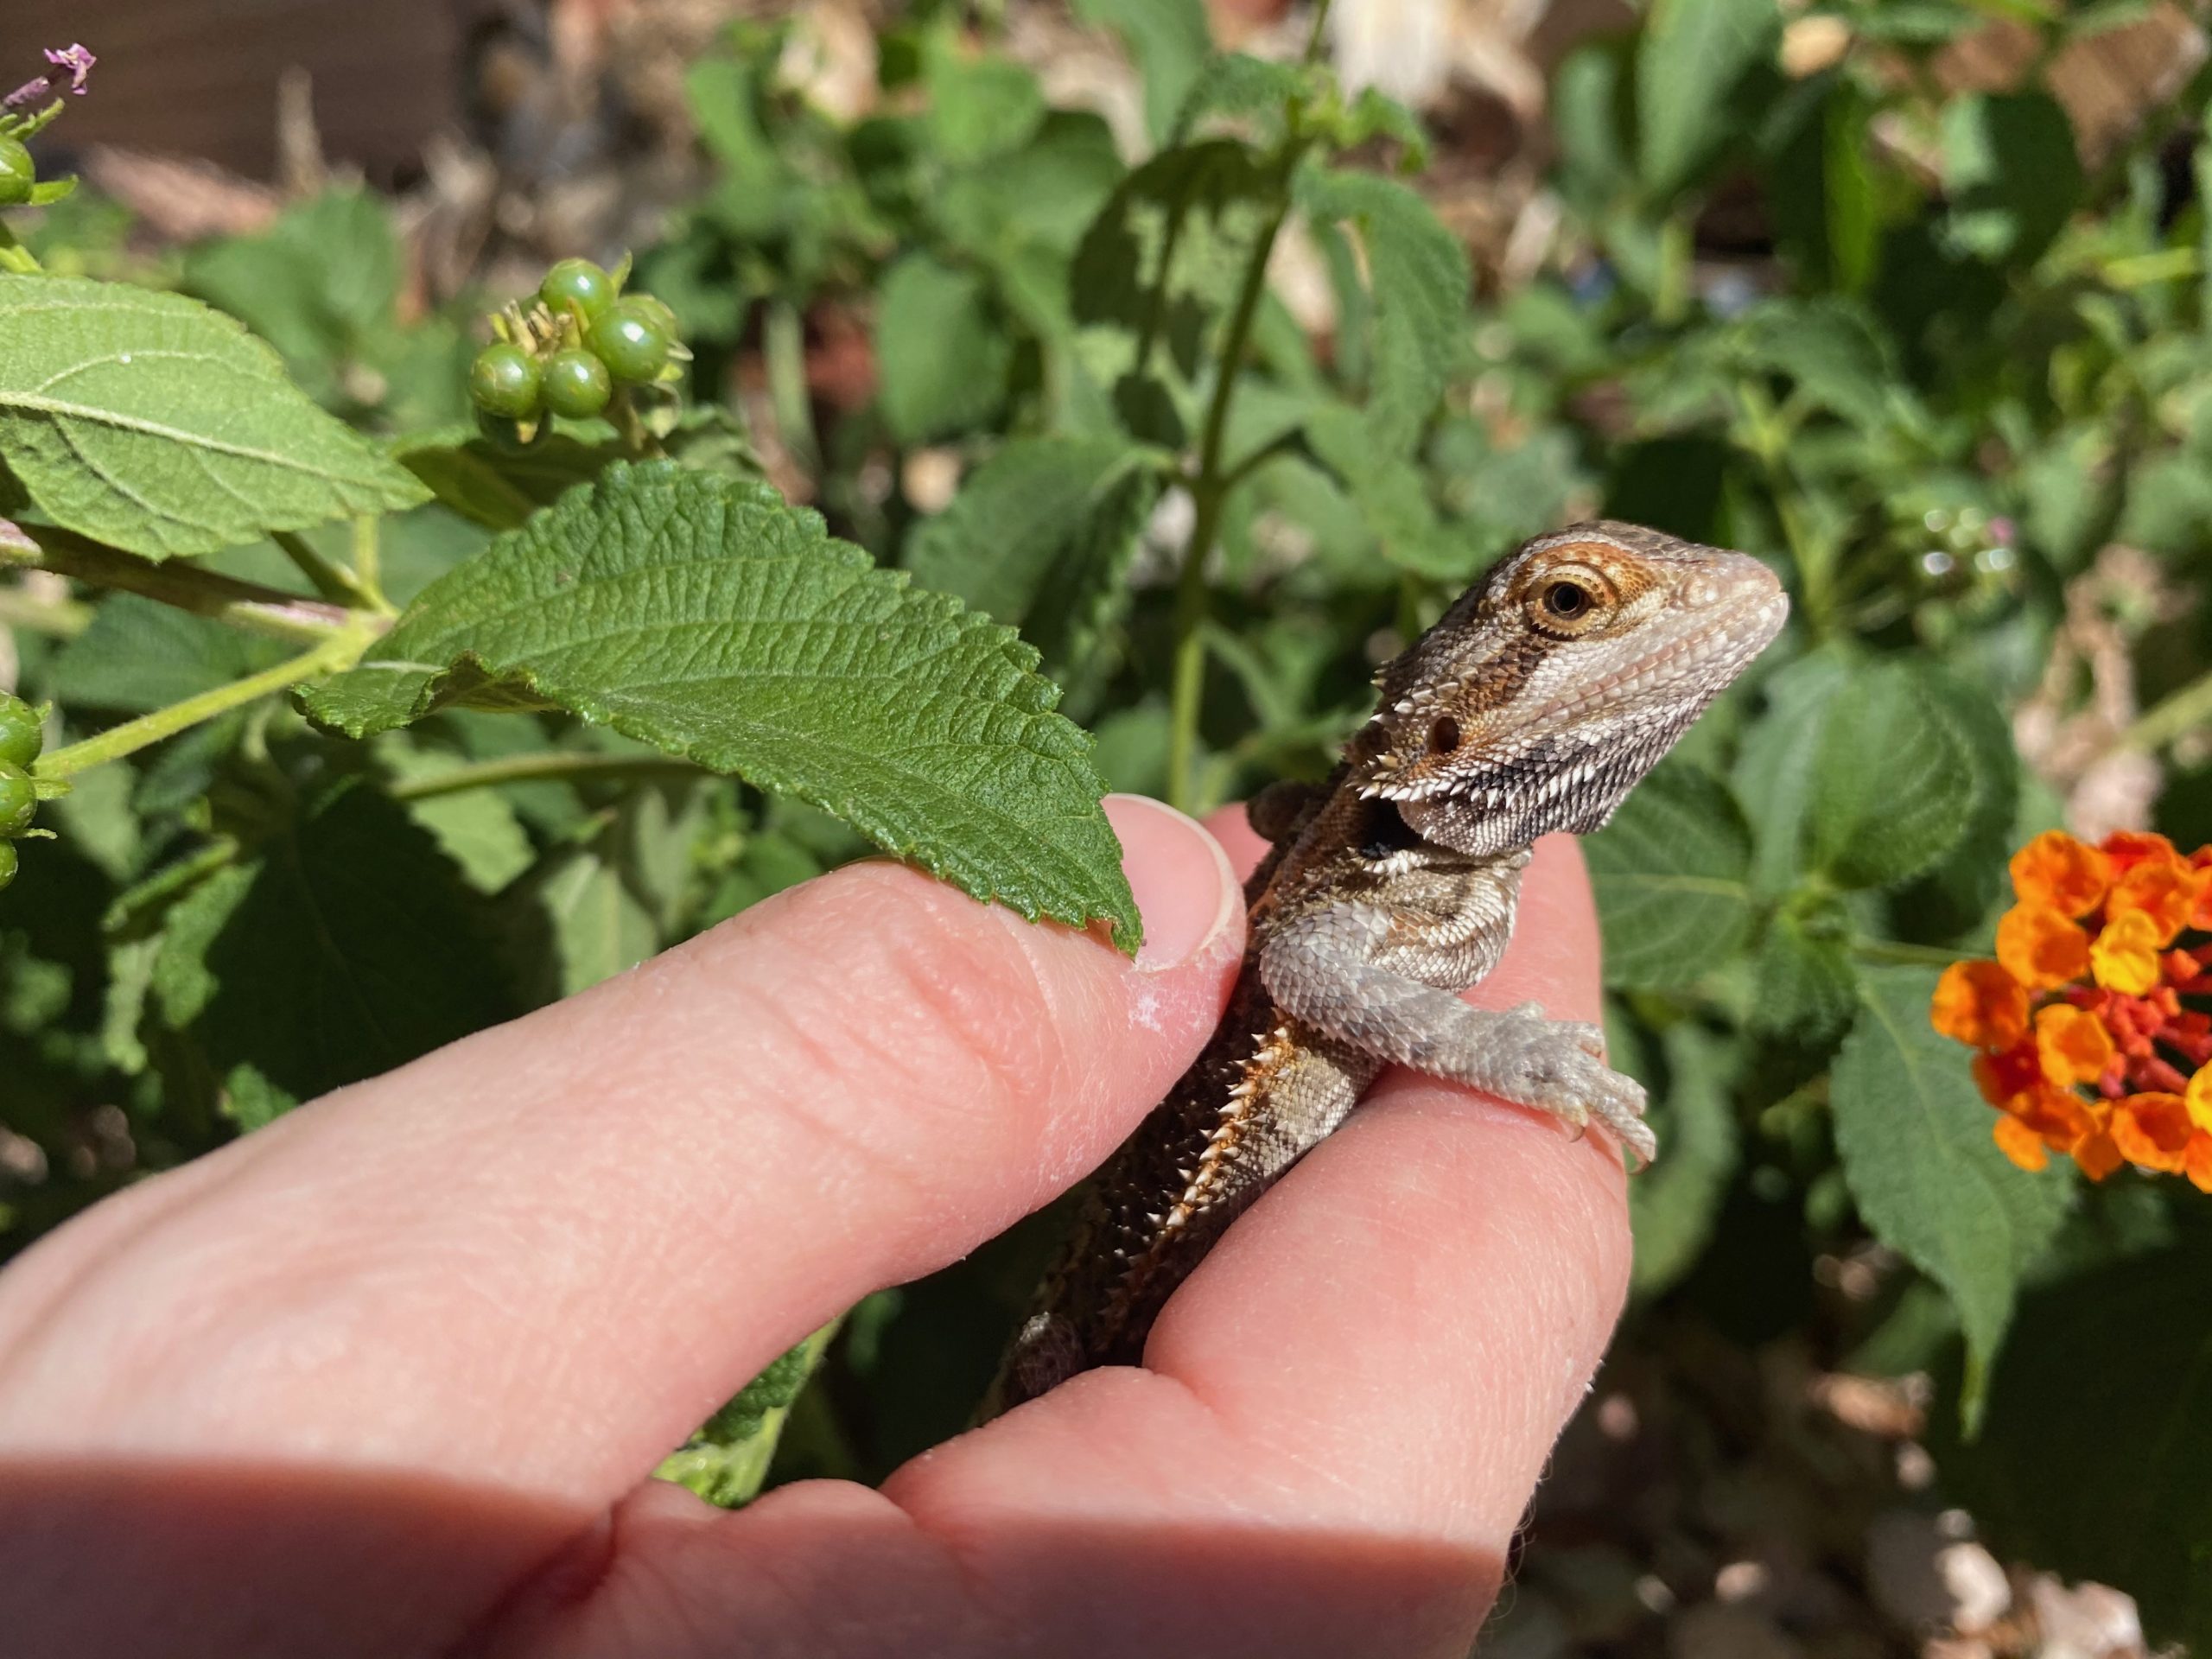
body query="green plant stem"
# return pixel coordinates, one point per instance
(1208, 491)
(368, 562)
(783, 350)
(2168, 719)
(340, 587)
(340, 649)
(543, 768)
(1670, 302)
(243, 604)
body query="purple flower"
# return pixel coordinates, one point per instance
(72, 66)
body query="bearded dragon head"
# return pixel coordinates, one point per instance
(1550, 688)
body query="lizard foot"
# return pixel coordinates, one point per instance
(1553, 1065)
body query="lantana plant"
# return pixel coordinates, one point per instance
(2086, 1047)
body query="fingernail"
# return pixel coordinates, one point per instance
(1185, 889)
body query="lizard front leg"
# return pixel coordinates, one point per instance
(1322, 967)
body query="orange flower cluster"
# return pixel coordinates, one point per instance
(2086, 1047)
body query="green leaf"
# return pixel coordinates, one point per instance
(600, 927)
(152, 424)
(1774, 763)
(1169, 248)
(1040, 536)
(477, 828)
(980, 107)
(2094, 1460)
(1829, 348)
(726, 1461)
(1237, 86)
(349, 947)
(1803, 985)
(1419, 275)
(1672, 873)
(1892, 785)
(942, 359)
(1170, 42)
(1692, 55)
(705, 617)
(1674, 1203)
(1960, 891)
(1585, 118)
(138, 656)
(1914, 1136)
(494, 486)
(2011, 173)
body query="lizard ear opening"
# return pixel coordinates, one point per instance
(1444, 736)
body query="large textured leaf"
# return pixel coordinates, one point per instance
(705, 617)
(1168, 39)
(1774, 773)
(1419, 275)
(137, 656)
(1672, 873)
(347, 948)
(1893, 781)
(2012, 171)
(1040, 536)
(1691, 57)
(152, 424)
(1914, 1135)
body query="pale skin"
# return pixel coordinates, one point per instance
(389, 1376)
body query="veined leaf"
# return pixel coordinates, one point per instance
(1169, 41)
(704, 616)
(1672, 873)
(1674, 1203)
(152, 424)
(1915, 1139)
(1419, 275)
(1893, 782)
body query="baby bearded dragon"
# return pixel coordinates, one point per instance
(1537, 701)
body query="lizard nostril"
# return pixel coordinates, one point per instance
(1444, 736)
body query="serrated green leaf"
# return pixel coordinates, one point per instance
(1892, 785)
(1692, 55)
(1169, 41)
(1041, 536)
(1673, 1204)
(943, 361)
(1237, 86)
(152, 424)
(1829, 347)
(704, 616)
(726, 1461)
(1803, 985)
(1971, 878)
(1914, 1135)
(1419, 276)
(1775, 765)
(1672, 874)
(2094, 1460)
(477, 828)
(346, 949)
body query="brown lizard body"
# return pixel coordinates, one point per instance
(1535, 703)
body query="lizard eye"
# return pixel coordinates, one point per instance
(1444, 736)
(1568, 604)
(1567, 600)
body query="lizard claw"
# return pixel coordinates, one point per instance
(1553, 1065)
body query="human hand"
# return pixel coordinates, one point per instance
(389, 1375)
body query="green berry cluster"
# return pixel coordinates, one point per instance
(21, 739)
(570, 353)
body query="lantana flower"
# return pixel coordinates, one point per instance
(2086, 1047)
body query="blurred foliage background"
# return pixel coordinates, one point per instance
(1910, 297)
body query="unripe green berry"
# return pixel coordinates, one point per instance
(505, 380)
(655, 310)
(577, 384)
(18, 801)
(19, 737)
(630, 341)
(579, 281)
(18, 173)
(6, 862)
